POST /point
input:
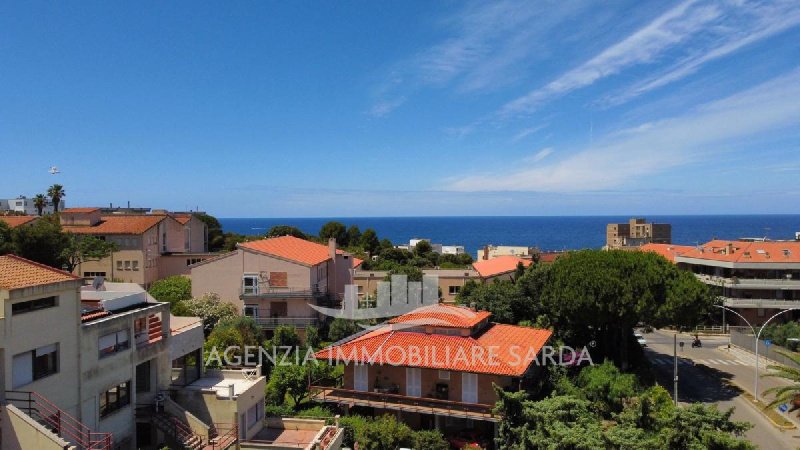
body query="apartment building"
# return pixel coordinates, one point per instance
(493, 251)
(25, 205)
(756, 278)
(450, 282)
(275, 280)
(105, 366)
(150, 246)
(636, 233)
(436, 248)
(437, 388)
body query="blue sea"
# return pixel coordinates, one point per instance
(545, 232)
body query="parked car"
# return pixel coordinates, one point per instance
(640, 339)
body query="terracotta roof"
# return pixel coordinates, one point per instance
(15, 221)
(118, 224)
(80, 210)
(442, 315)
(669, 251)
(499, 265)
(746, 252)
(499, 349)
(357, 262)
(291, 248)
(17, 273)
(182, 219)
(94, 315)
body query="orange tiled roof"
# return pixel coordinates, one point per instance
(80, 210)
(499, 350)
(118, 224)
(499, 265)
(15, 221)
(357, 262)
(442, 315)
(182, 219)
(669, 251)
(17, 273)
(291, 248)
(746, 252)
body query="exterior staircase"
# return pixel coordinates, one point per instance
(59, 422)
(153, 329)
(177, 430)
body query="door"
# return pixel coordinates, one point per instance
(413, 382)
(361, 378)
(278, 309)
(469, 388)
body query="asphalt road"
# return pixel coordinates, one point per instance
(698, 385)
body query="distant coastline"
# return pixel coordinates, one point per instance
(546, 232)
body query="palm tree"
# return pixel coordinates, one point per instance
(39, 202)
(786, 394)
(56, 192)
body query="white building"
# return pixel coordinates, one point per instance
(24, 205)
(437, 248)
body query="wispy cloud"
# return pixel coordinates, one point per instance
(385, 107)
(540, 155)
(643, 46)
(756, 22)
(522, 134)
(657, 146)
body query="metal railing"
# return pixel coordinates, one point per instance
(422, 404)
(275, 322)
(759, 302)
(58, 421)
(226, 435)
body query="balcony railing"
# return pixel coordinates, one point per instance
(58, 421)
(751, 283)
(759, 303)
(274, 322)
(404, 403)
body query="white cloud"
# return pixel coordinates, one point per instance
(522, 134)
(761, 21)
(643, 46)
(385, 107)
(540, 155)
(658, 146)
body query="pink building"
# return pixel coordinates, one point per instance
(275, 280)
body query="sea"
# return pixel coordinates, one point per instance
(549, 233)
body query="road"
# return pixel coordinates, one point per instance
(708, 386)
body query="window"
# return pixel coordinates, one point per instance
(250, 284)
(33, 305)
(444, 375)
(119, 265)
(453, 290)
(143, 377)
(251, 310)
(115, 398)
(127, 265)
(35, 364)
(252, 416)
(135, 265)
(113, 343)
(93, 274)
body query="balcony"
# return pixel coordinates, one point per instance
(449, 408)
(321, 296)
(750, 283)
(760, 303)
(269, 323)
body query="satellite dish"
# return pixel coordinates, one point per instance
(54, 170)
(98, 282)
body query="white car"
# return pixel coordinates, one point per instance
(640, 339)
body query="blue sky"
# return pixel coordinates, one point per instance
(283, 109)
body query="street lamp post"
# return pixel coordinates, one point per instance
(757, 336)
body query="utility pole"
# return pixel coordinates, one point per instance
(675, 369)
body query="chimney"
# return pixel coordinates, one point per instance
(332, 248)
(485, 252)
(729, 248)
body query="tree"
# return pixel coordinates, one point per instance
(6, 239)
(790, 393)
(430, 440)
(284, 336)
(369, 241)
(285, 230)
(40, 201)
(601, 295)
(313, 339)
(209, 308)
(81, 249)
(56, 193)
(423, 248)
(334, 230)
(502, 298)
(229, 241)
(172, 289)
(606, 387)
(353, 235)
(341, 328)
(216, 238)
(234, 333)
(41, 241)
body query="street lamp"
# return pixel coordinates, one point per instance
(757, 335)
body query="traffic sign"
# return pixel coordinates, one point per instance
(767, 342)
(783, 407)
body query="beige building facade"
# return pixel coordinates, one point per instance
(637, 232)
